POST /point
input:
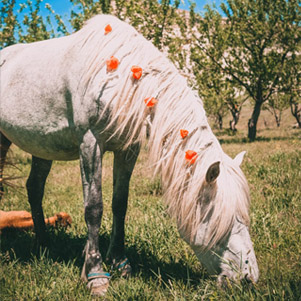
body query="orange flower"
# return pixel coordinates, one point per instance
(150, 101)
(112, 63)
(108, 29)
(191, 156)
(137, 72)
(184, 133)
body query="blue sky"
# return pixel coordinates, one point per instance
(63, 7)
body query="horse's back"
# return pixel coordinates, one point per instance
(27, 63)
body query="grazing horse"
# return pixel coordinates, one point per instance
(101, 89)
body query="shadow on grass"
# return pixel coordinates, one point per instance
(65, 247)
(62, 246)
(147, 266)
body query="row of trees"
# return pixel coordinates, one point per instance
(252, 53)
(255, 51)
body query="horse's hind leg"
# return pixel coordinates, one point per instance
(40, 169)
(124, 162)
(4, 146)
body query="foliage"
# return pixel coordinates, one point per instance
(213, 89)
(220, 95)
(292, 86)
(289, 93)
(255, 41)
(9, 23)
(26, 24)
(34, 26)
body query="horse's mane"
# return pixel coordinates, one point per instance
(178, 108)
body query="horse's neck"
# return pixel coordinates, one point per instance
(167, 146)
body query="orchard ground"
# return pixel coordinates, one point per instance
(164, 267)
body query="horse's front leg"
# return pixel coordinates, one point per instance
(124, 162)
(91, 162)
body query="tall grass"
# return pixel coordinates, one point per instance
(164, 267)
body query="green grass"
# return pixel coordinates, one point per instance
(164, 267)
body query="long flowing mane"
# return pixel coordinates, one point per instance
(189, 198)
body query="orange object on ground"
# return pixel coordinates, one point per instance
(108, 29)
(150, 101)
(191, 156)
(23, 220)
(112, 63)
(137, 72)
(184, 133)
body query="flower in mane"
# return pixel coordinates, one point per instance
(184, 133)
(150, 101)
(191, 156)
(108, 29)
(112, 63)
(137, 72)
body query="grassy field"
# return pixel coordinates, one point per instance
(164, 266)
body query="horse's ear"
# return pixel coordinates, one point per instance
(212, 172)
(238, 159)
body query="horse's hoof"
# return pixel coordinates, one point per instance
(126, 272)
(123, 266)
(98, 286)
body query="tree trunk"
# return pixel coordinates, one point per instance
(277, 116)
(252, 124)
(220, 122)
(296, 112)
(232, 125)
(278, 119)
(234, 121)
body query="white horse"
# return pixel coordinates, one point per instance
(78, 97)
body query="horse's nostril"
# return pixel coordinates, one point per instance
(248, 279)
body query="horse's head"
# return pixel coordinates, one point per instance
(233, 259)
(221, 240)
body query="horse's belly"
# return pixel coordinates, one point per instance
(59, 144)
